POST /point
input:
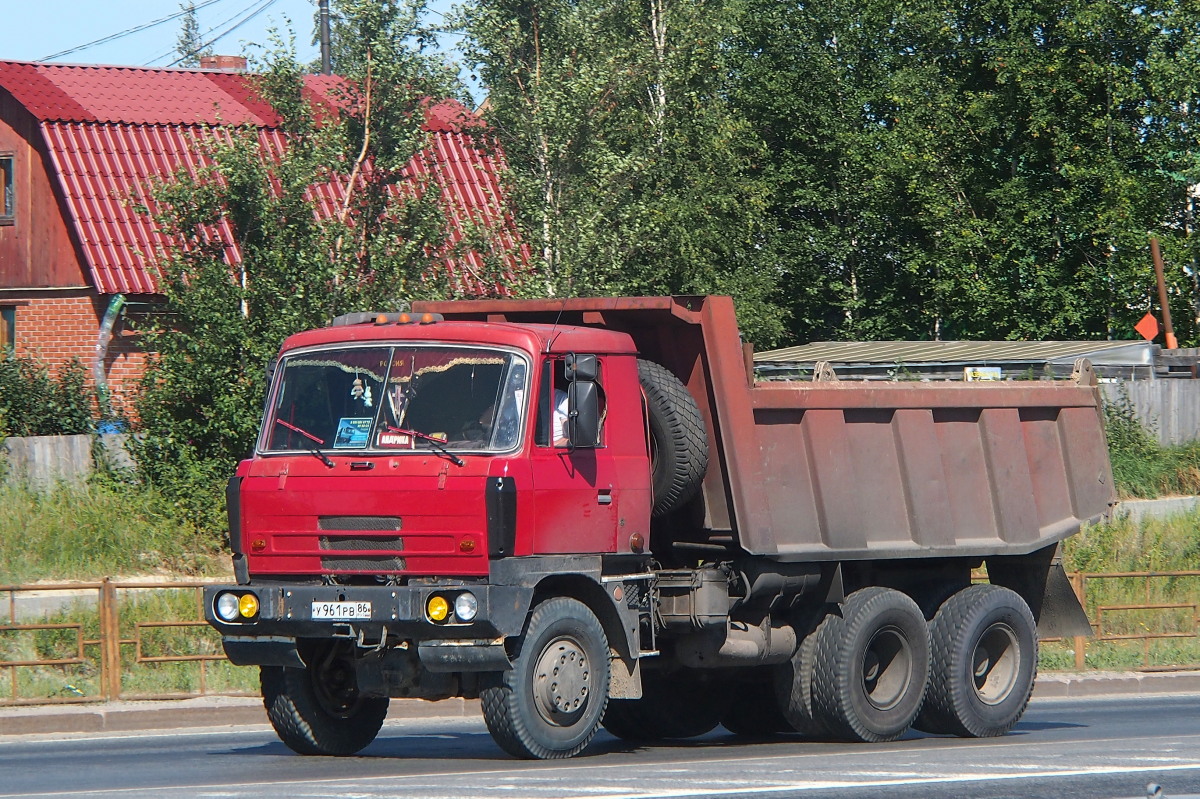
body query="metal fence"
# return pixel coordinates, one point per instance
(88, 642)
(1143, 621)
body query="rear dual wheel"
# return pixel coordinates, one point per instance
(984, 663)
(870, 666)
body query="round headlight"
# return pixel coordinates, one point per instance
(227, 606)
(466, 606)
(437, 608)
(248, 606)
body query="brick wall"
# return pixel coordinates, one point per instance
(56, 326)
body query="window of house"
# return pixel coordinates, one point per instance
(8, 199)
(8, 329)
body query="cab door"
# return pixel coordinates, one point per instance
(577, 494)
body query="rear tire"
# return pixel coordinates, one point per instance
(794, 683)
(549, 704)
(318, 710)
(871, 666)
(984, 663)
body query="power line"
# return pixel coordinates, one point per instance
(218, 31)
(124, 33)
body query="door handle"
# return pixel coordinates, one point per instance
(361, 466)
(604, 498)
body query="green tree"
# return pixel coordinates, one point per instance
(385, 242)
(630, 172)
(189, 44)
(970, 171)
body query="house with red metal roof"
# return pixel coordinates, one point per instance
(79, 144)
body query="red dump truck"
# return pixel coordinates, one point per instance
(587, 512)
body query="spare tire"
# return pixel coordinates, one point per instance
(678, 444)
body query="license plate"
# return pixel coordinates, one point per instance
(341, 610)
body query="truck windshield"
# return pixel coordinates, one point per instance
(397, 398)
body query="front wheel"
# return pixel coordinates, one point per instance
(318, 710)
(549, 704)
(984, 663)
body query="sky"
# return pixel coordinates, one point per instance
(33, 30)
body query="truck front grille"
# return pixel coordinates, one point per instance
(359, 523)
(364, 563)
(360, 542)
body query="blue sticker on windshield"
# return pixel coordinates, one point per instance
(352, 433)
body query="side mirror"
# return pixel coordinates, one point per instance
(583, 414)
(580, 367)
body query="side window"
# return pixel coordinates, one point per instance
(8, 198)
(8, 329)
(552, 405)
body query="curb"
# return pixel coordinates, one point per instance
(1056, 685)
(211, 711)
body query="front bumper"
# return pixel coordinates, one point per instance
(397, 612)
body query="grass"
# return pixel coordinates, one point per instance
(102, 528)
(1160, 545)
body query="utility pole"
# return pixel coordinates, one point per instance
(1172, 343)
(326, 60)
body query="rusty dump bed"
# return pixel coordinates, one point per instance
(853, 470)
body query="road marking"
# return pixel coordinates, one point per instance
(799, 786)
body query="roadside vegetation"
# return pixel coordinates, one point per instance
(1143, 468)
(103, 528)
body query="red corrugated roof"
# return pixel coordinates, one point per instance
(111, 131)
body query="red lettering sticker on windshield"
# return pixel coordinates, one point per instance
(394, 440)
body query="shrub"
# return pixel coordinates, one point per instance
(1142, 467)
(33, 403)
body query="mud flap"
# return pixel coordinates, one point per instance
(262, 651)
(1042, 582)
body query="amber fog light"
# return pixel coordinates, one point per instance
(248, 606)
(437, 608)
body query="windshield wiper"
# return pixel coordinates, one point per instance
(318, 454)
(435, 444)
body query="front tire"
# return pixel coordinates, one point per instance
(549, 704)
(872, 665)
(318, 710)
(984, 641)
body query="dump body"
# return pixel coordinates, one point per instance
(829, 470)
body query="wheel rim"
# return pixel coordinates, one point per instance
(562, 682)
(336, 686)
(887, 668)
(996, 663)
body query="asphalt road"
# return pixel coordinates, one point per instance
(1105, 747)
